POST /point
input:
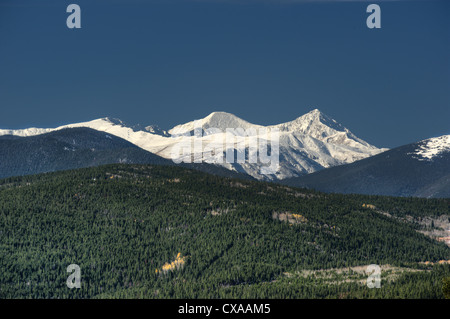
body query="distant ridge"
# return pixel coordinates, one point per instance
(309, 143)
(419, 169)
(72, 148)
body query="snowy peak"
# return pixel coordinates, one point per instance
(315, 118)
(111, 120)
(322, 127)
(314, 123)
(223, 120)
(431, 148)
(309, 143)
(219, 120)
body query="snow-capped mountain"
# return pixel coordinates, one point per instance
(432, 148)
(309, 143)
(218, 120)
(420, 169)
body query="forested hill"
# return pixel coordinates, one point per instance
(402, 171)
(143, 231)
(73, 148)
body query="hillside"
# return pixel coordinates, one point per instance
(72, 148)
(419, 169)
(67, 149)
(144, 231)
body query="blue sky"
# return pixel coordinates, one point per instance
(169, 62)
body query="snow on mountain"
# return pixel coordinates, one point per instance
(144, 139)
(327, 142)
(307, 144)
(25, 132)
(431, 148)
(155, 129)
(322, 127)
(217, 120)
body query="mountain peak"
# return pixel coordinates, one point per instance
(314, 123)
(219, 117)
(314, 112)
(219, 120)
(433, 147)
(220, 114)
(113, 120)
(317, 115)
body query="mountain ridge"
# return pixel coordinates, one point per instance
(309, 143)
(80, 147)
(420, 169)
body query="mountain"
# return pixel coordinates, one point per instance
(218, 120)
(311, 142)
(419, 169)
(78, 147)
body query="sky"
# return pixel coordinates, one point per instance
(266, 61)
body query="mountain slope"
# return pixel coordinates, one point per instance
(67, 149)
(71, 148)
(311, 142)
(419, 169)
(122, 224)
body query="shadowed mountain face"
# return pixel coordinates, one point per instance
(73, 148)
(67, 149)
(420, 169)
